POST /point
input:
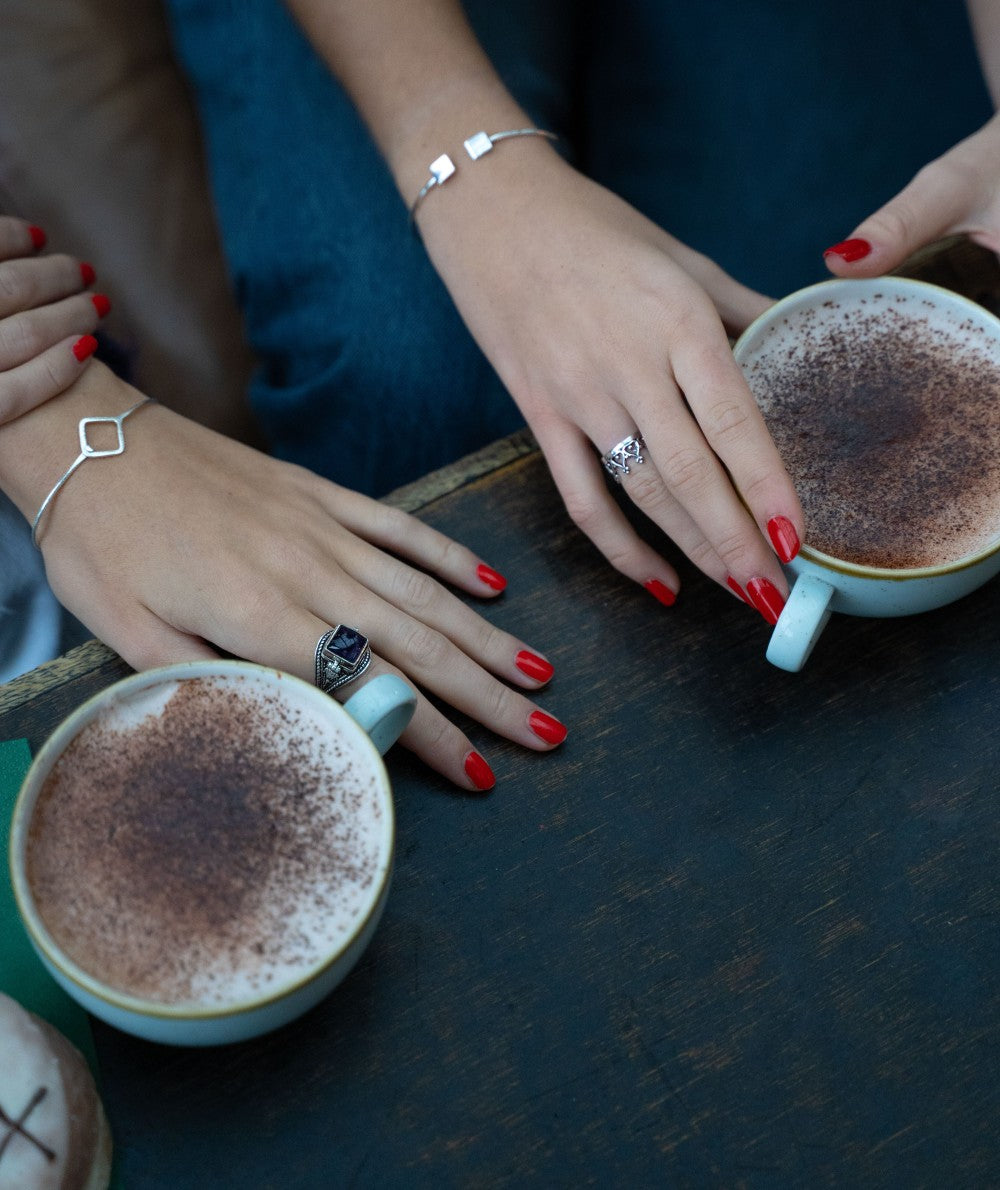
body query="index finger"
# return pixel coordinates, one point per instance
(734, 429)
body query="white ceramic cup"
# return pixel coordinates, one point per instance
(379, 710)
(822, 584)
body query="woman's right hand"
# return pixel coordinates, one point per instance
(600, 324)
(190, 544)
(46, 319)
(604, 326)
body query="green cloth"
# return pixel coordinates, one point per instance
(22, 975)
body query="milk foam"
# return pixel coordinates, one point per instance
(886, 413)
(209, 842)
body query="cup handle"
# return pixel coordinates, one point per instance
(802, 620)
(383, 707)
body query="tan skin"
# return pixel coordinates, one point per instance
(255, 557)
(598, 321)
(191, 544)
(45, 309)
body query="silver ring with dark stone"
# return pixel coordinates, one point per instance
(342, 655)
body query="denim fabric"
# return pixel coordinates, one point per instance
(29, 614)
(758, 131)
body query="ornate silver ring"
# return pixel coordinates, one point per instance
(618, 459)
(342, 655)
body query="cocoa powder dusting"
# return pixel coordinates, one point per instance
(890, 430)
(176, 855)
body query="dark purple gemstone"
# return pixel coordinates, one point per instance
(348, 644)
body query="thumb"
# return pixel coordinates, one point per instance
(930, 207)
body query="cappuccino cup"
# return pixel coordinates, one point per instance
(201, 852)
(883, 398)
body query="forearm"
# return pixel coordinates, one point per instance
(416, 73)
(985, 18)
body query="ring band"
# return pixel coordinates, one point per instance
(629, 451)
(342, 655)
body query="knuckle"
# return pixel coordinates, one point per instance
(261, 603)
(585, 513)
(53, 379)
(285, 553)
(729, 421)
(20, 338)
(425, 648)
(703, 554)
(438, 736)
(453, 557)
(497, 703)
(894, 222)
(646, 490)
(756, 484)
(733, 548)
(415, 591)
(8, 342)
(953, 170)
(391, 524)
(492, 641)
(10, 288)
(685, 469)
(620, 556)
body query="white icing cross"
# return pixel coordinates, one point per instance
(17, 1128)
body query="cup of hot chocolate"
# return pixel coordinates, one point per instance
(201, 852)
(883, 398)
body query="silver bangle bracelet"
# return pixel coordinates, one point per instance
(86, 452)
(477, 145)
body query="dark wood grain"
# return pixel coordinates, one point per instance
(740, 930)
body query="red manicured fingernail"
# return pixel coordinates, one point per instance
(490, 577)
(850, 250)
(737, 590)
(479, 772)
(534, 666)
(85, 347)
(766, 598)
(87, 273)
(101, 304)
(783, 537)
(661, 592)
(546, 728)
(38, 237)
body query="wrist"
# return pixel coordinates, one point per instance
(477, 146)
(37, 447)
(452, 114)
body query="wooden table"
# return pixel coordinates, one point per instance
(741, 930)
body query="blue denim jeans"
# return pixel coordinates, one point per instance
(759, 133)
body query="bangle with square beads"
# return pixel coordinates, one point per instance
(478, 145)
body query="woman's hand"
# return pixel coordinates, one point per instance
(959, 192)
(602, 325)
(190, 544)
(599, 323)
(46, 319)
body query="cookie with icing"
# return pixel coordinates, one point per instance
(53, 1132)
